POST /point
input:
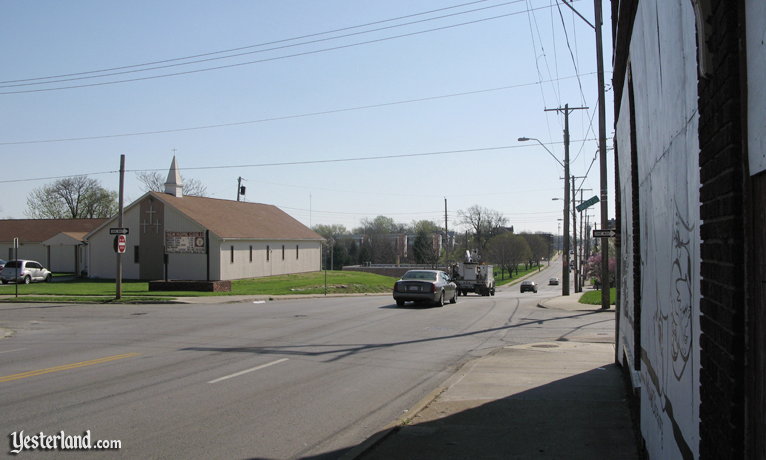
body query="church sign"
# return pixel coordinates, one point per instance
(185, 242)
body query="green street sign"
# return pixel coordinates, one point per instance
(587, 203)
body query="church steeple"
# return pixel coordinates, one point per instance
(173, 185)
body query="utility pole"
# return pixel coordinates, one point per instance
(446, 232)
(118, 277)
(605, 287)
(240, 188)
(583, 237)
(574, 238)
(565, 271)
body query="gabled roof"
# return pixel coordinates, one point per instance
(39, 230)
(66, 238)
(230, 219)
(236, 219)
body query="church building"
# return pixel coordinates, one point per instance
(198, 238)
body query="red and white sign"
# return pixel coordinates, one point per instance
(120, 244)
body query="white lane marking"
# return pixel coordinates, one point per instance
(257, 368)
(16, 349)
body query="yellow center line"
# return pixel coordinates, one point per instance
(65, 367)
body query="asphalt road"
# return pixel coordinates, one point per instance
(283, 379)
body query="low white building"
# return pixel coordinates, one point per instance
(197, 238)
(58, 244)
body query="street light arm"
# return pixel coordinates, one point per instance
(578, 13)
(524, 139)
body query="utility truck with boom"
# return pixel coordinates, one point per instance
(472, 275)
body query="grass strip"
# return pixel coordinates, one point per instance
(594, 297)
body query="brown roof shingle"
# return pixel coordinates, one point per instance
(235, 219)
(39, 230)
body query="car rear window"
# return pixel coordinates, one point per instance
(430, 276)
(13, 264)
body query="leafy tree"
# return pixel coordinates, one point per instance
(153, 181)
(427, 226)
(379, 245)
(77, 197)
(339, 246)
(484, 222)
(538, 246)
(508, 250)
(423, 248)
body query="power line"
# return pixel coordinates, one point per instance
(259, 61)
(209, 59)
(270, 119)
(231, 50)
(571, 53)
(290, 163)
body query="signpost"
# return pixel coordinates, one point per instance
(16, 257)
(120, 241)
(603, 233)
(119, 231)
(587, 203)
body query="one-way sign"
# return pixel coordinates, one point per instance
(608, 233)
(119, 231)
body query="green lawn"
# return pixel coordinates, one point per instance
(522, 272)
(594, 297)
(304, 283)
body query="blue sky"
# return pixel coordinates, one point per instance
(461, 88)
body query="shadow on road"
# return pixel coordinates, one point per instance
(584, 416)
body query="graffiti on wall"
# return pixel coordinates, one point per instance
(681, 298)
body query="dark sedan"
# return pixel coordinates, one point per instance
(528, 286)
(425, 286)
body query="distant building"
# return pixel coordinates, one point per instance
(58, 244)
(199, 238)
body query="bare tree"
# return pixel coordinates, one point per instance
(77, 197)
(154, 182)
(484, 222)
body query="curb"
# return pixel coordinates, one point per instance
(392, 427)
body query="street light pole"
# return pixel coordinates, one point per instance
(565, 270)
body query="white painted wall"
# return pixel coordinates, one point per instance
(625, 344)
(308, 259)
(30, 251)
(663, 61)
(756, 84)
(102, 260)
(184, 266)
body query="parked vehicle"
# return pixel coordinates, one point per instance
(2, 264)
(528, 286)
(553, 281)
(24, 271)
(425, 286)
(473, 276)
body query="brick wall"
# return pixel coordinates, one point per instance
(723, 284)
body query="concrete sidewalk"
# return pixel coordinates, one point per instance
(553, 400)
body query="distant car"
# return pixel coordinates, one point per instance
(2, 264)
(553, 282)
(432, 286)
(24, 271)
(528, 286)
